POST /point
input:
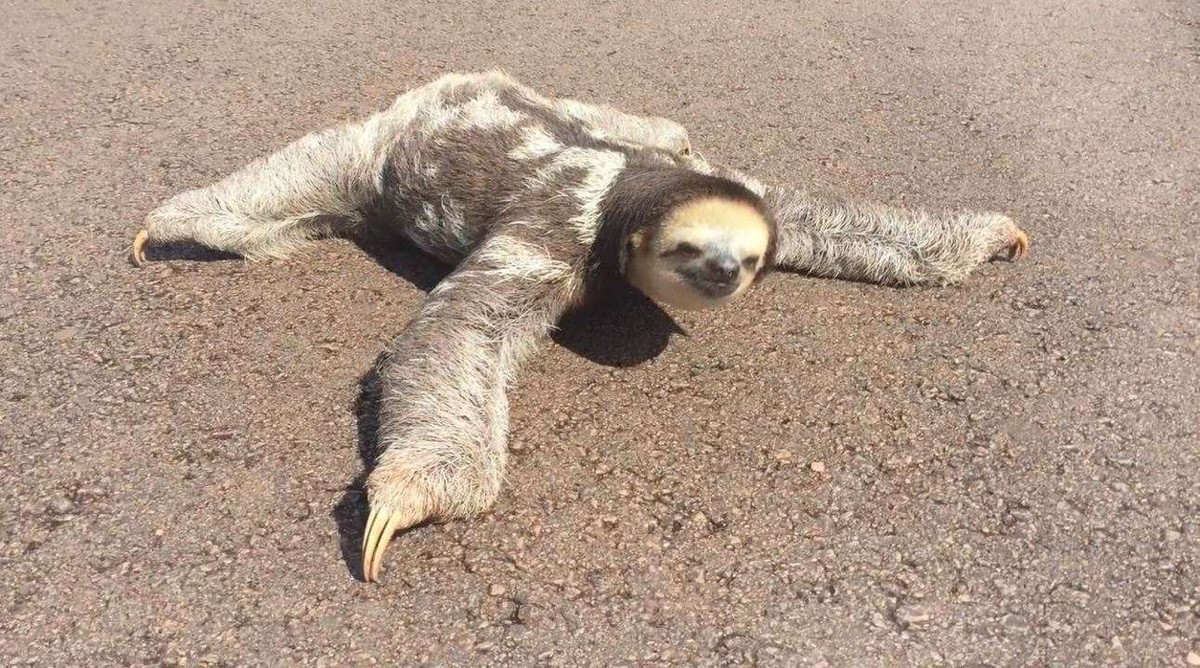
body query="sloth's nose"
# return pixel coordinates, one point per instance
(721, 270)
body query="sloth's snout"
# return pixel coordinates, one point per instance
(720, 270)
(714, 276)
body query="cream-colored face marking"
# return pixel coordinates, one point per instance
(705, 253)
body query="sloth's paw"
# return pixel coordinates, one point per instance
(1014, 242)
(137, 251)
(397, 502)
(671, 136)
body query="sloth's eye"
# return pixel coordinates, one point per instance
(750, 262)
(684, 250)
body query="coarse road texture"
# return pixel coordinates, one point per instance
(1004, 473)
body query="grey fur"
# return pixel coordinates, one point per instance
(481, 171)
(881, 244)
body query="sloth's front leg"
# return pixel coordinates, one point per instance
(443, 410)
(864, 241)
(883, 244)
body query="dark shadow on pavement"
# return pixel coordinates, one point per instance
(176, 251)
(405, 261)
(350, 514)
(617, 327)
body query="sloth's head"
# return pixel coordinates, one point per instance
(703, 253)
(689, 240)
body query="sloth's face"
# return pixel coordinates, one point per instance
(704, 254)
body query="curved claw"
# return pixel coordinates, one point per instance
(382, 524)
(137, 253)
(1019, 247)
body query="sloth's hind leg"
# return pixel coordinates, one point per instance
(313, 187)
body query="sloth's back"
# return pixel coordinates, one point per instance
(470, 154)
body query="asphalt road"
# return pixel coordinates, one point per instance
(829, 473)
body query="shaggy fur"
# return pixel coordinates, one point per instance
(535, 200)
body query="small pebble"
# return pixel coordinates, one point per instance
(88, 493)
(817, 467)
(61, 504)
(911, 614)
(497, 590)
(1193, 659)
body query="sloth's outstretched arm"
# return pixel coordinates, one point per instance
(443, 410)
(882, 244)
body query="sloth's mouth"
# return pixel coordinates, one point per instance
(710, 288)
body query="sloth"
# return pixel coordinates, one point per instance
(536, 201)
